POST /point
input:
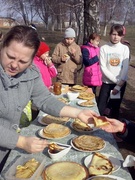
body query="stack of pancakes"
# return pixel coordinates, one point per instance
(54, 130)
(27, 170)
(79, 88)
(78, 125)
(88, 143)
(65, 171)
(86, 96)
(52, 119)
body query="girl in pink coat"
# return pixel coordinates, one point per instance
(90, 52)
(45, 65)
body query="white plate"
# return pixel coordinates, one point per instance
(41, 134)
(44, 123)
(80, 101)
(115, 162)
(85, 150)
(109, 176)
(84, 132)
(40, 119)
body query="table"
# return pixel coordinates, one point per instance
(73, 155)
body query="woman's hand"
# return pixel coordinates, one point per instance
(87, 116)
(31, 144)
(114, 126)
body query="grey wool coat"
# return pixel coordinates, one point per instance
(15, 92)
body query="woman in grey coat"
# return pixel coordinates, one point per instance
(20, 82)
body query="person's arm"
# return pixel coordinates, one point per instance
(52, 70)
(88, 61)
(124, 129)
(56, 57)
(10, 139)
(31, 144)
(75, 54)
(84, 115)
(124, 70)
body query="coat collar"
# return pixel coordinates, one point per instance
(26, 75)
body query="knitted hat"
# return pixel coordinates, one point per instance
(69, 33)
(43, 48)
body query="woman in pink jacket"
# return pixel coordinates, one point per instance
(90, 52)
(45, 65)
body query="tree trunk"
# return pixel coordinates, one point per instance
(105, 30)
(80, 22)
(91, 18)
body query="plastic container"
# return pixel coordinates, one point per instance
(60, 154)
(10, 174)
(72, 95)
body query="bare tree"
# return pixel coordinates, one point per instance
(110, 10)
(24, 9)
(91, 17)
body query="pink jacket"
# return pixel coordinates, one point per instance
(92, 75)
(47, 73)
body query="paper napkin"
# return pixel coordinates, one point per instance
(117, 96)
(129, 161)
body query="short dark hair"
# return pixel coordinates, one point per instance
(94, 36)
(118, 28)
(22, 34)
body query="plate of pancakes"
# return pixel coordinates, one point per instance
(88, 143)
(102, 163)
(81, 127)
(47, 119)
(65, 170)
(85, 103)
(54, 131)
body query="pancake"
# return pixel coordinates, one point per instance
(54, 130)
(100, 121)
(80, 126)
(88, 143)
(65, 171)
(52, 119)
(87, 103)
(86, 96)
(78, 88)
(27, 170)
(100, 165)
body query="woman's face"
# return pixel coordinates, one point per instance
(115, 38)
(16, 58)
